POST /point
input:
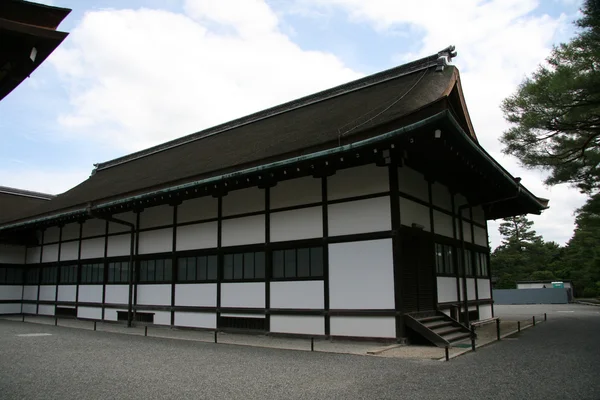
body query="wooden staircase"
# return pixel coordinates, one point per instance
(437, 327)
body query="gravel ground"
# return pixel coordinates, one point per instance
(555, 360)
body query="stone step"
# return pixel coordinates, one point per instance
(457, 336)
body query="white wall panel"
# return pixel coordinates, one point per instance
(45, 310)
(70, 231)
(12, 254)
(116, 294)
(479, 215)
(161, 317)
(198, 236)
(247, 230)
(295, 192)
(384, 327)
(157, 241)
(29, 309)
(12, 292)
(483, 289)
(69, 251)
(94, 227)
(159, 295)
(52, 234)
(196, 294)
(10, 308)
(414, 213)
(361, 275)
(33, 255)
(50, 253)
(460, 200)
(156, 216)
(47, 292)
(480, 236)
(244, 201)
(89, 312)
(251, 294)
(371, 215)
(67, 292)
(197, 209)
(110, 314)
(446, 289)
(302, 294)
(304, 223)
(466, 230)
(30, 292)
(485, 311)
(119, 245)
(92, 248)
(299, 324)
(357, 181)
(413, 183)
(113, 227)
(196, 319)
(470, 288)
(441, 197)
(90, 293)
(442, 224)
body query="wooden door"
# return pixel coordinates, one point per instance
(418, 270)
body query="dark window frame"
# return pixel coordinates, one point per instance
(12, 275)
(243, 266)
(92, 273)
(49, 275)
(444, 260)
(205, 268)
(316, 263)
(122, 266)
(155, 270)
(68, 274)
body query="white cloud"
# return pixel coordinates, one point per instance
(140, 77)
(45, 181)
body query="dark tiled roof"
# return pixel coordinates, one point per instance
(323, 120)
(15, 202)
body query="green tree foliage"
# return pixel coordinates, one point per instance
(556, 111)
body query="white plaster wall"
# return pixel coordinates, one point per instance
(113, 227)
(161, 317)
(69, 251)
(33, 255)
(196, 319)
(413, 183)
(67, 292)
(440, 196)
(446, 289)
(70, 231)
(198, 236)
(156, 216)
(10, 308)
(304, 223)
(119, 245)
(47, 292)
(361, 275)
(29, 309)
(483, 289)
(117, 294)
(383, 327)
(45, 310)
(299, 324)
(93, 227)
(479, 215)
(197, 209)
(480, 236)
(90, 313)
(244, 201)
(159, 295)
(460, 200)
(414, 213)
(250, 294)
(92, 248)
(110, 314)
(30, 292)
(442, 224)
(357, 181)
(371, 215)
(12, 254)
(485, 311)
(466, 230)
(52, 234)
(247, 230)
(50, 253)
(90, 293)
(12, 292)
(157, 241)
(196, 294)
(302, 294)
(470, 288)
(296, 192)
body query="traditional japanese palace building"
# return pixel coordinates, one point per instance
(341, 214)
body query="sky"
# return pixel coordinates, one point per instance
(134, 73)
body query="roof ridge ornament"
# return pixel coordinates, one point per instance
(445, 57)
